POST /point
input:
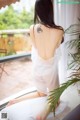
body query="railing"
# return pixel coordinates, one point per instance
(8, 58)
(14, 57)
(15, 31)
(4, 102)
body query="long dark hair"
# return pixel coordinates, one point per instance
(44, 14)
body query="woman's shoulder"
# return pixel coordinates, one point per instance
(31, 31)
(31, 27)
(58, 31)
(36, 28)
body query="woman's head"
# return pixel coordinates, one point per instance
(44, 12)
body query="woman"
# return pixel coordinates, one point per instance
(46, 38)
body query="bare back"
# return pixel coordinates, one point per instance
(45, 40)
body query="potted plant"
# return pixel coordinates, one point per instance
(74, 65)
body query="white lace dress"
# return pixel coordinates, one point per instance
(45, 72)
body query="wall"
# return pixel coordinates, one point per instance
(17, 44)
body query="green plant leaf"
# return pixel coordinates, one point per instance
(56, 93)
(75, 28)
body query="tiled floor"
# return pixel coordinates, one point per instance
(19, 77)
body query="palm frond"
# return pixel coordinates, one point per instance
(73, 29)
(56, 93)
(74, 64)
(77, 33)
(73, 43)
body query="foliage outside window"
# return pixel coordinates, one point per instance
(11, 19)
